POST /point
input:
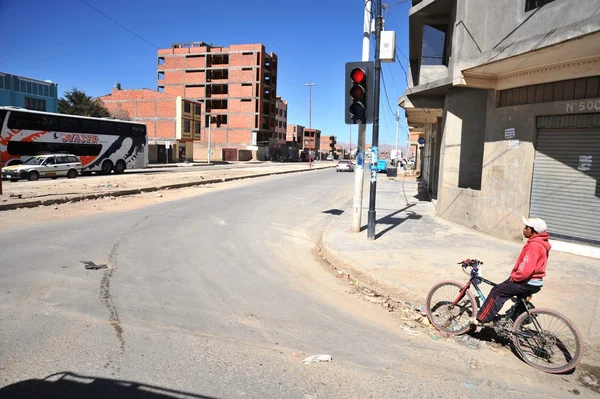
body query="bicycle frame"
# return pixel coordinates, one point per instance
(476, 279)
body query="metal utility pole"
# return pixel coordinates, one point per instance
(310, 86)
(397, 128)
(350, 142)
(375, 142)
(209, 123)
(359, 173)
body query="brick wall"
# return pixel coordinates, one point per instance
(156, 110)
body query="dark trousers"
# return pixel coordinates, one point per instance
(499, 295)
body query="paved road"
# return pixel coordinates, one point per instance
(216, 296)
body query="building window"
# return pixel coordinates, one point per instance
(187, 107)
(533, 4)
(196, 127)
(35, 104)
(186, 126)
(197, 109)
(434, 45)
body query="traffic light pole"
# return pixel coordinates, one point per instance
(359, 174)
(375, 142)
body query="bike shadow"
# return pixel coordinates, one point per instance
(490, 335)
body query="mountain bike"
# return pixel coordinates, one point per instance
(543, 338)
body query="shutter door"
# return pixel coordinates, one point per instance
(566, 183)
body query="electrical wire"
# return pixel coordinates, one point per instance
(386, 95)
(122, 26)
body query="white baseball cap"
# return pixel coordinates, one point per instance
(535, 223)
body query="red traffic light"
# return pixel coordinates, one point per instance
(357, 75)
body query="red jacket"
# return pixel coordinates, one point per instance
(533, 259)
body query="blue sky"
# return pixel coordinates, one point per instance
(71, 44)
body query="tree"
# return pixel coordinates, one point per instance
(120, 113)
(76, 102)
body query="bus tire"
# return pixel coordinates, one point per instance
(33, 176)
(71, 174)
(120, 167)
(107, 167)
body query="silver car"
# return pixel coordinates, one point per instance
(52, 166)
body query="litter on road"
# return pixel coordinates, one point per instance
(317, 358)
(92, 266)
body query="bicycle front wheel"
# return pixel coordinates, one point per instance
(547, 341)
(454, 320)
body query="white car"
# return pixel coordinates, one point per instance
(52, 166)
(344, 166)
(330, 157)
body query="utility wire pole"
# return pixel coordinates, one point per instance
(359, 173)
(397, 128)
(310, 137)
(375, 141)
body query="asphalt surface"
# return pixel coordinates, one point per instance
(215, 296)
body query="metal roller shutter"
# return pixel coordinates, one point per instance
(566, 182)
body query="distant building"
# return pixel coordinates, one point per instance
(238, 87)
(174, 123)
(18, 91)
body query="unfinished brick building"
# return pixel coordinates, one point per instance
(238, 86)
(174, 123)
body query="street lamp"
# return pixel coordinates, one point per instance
(310, 86)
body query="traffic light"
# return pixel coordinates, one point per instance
(359, 92)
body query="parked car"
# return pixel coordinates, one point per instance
(344, 166)
(330, 157)
(52, 166)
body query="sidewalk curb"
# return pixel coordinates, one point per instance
(338, 262)
(121, 193)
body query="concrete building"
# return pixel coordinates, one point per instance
(327, 146)
(281, 107)
(18, 91)
(311, 143)
(238, 86)
(293, 139)
(174, 123)
(507, 96)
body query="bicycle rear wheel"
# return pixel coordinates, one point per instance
(450, 319)
(547, 341)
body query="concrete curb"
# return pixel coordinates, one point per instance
(339, 262)
(121, 193)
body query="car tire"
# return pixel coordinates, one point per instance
(33, 176)
(71, 174)
(14, 180)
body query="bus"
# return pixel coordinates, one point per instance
(103, 145)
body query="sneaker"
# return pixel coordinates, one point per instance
(475, 322)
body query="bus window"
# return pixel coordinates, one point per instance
(68, 125)
(89, 126)
(31, 121)
(2, 116)
(123, 128)
(106, 127)
(16, 148)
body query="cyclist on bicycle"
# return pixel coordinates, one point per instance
(527, 274)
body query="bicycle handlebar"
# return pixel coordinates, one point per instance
(470, 262)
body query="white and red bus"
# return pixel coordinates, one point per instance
(103, 145)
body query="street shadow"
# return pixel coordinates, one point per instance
(67, 385)
(392, 221)
(422, 196)
(336, 212)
